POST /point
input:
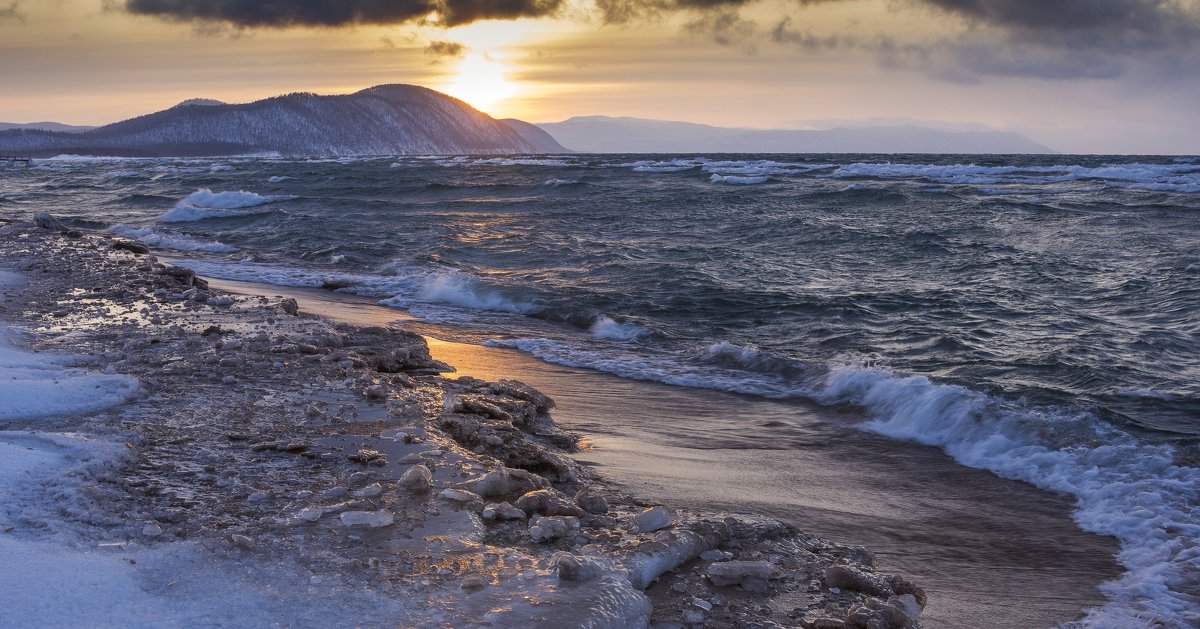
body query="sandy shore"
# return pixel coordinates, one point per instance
(990, 552)
(268, 466)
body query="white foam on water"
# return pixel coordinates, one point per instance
(555, 183)
(278, 178)
(35, 385)
(605, 328)
(1123, 487)
(205, 204)
(1175, 177)
(177, 242)
(739, 180)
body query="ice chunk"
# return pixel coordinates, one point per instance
(369, 519)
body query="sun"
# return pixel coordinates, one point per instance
(481, 81)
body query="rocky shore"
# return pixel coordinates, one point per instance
(266, 436)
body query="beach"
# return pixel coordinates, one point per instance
(207, 458)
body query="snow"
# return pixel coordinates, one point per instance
(41, 385)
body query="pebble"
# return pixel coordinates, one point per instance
(416, 479)
(152, 530)
(310, 514)
(369, 519)
(242, 541)
(370, 491)
(336, 493)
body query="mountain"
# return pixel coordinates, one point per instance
(382, 120)
(44, 126)
(603, 134)
(535, 135)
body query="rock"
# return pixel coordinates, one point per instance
(130, 246)
(312, 412)
(908, 604)
(258, 496)
(377, 392)
(827, 623)
(474, 583)
(460, 496)
(902, 586)
(847, 578)
(752, 576)
(416, 479)
(574, 568)
(550, 528)
(241, 541)
(652, 519)
(310, 514)
(591, 501)
(152, 530)
(547, 502)
(335, 493)
(369, 519)
(494, 483)
(185, 276)
(359, 477)
(875, 614)
(290, 306)
(45, 221)
(502, 511)
(370, 491)
(716, 555)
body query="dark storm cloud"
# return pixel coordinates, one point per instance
(11, 12)
(445, 49)
(283, 13)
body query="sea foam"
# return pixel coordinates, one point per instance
(205, 204)
(171, 241)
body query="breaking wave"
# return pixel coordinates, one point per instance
(171, 241)
(205, 204)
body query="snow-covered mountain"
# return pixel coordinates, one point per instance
(382, 120)
(604, 134)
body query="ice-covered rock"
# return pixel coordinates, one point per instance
(370, 491)
(336, 493)
(369, 519)
(416, 479)
(502, 511)
(460, 496)
(875, 614)
(847, 578)
(753, 576)
(652, 519)
(152, 530)
(576, 568)
(550, 528)
(547, 502)
(310, 514)
(591, 501)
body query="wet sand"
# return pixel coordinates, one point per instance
(990, 552)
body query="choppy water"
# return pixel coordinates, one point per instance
(1034, 316)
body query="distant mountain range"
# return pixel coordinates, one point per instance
(383, 120)
(44, 126)
(604, 134)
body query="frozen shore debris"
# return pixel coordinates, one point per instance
(287, 437)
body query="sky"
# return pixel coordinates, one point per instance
(1081, 76)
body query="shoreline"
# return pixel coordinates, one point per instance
(990, 552)
(262, 436)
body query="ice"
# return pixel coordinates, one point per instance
(41, 385)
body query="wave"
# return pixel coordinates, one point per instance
(205, 204)
(1123, 487)
(557, 183)
(171, 241)
(1175, 177)
(605, 328)
(739, 180)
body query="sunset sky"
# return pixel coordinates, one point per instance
(1119, 76)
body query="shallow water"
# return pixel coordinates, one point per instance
(1030, 316)
(991, 553)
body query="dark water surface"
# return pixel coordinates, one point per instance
(1035, 317)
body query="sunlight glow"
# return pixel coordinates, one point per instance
(481, 81)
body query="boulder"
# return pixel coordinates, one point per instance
(550, 528)
(416, 479)
(753, 576)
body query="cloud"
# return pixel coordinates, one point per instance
(445, 49)
(324, 13)
(11, 12)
